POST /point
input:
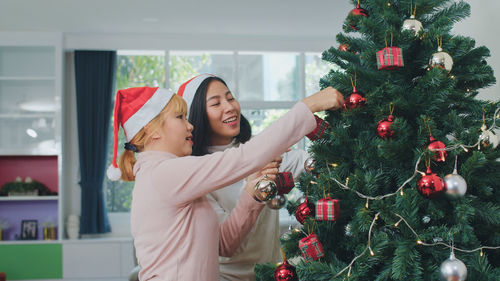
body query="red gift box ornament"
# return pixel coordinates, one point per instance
(327, 209)
(311, 248)
(321, 126)
(390, 57)
(284, 182)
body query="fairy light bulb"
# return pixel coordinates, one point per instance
(396, 224)
(371, 252)
(481, 252)
(367, 205)
(402, 192)
(419, 242)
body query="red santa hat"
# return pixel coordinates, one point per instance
(134, 109)
(188, 89)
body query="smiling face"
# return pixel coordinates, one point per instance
(175, 135)
(223, 112)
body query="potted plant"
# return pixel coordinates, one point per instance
(29, 187)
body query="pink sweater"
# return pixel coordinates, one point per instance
(176, 232)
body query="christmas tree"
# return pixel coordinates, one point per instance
(382, 199)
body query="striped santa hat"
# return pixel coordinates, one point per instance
(188, 89)
(134, 109)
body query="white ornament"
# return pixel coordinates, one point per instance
(453, 269)
(412, 25)
(441, 60)
(487, 137)
(277, 202)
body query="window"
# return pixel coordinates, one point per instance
(266, 85)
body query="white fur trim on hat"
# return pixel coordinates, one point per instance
(113, 173)
(191, 87)
(147, 112)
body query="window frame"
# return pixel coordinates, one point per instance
(120, 221)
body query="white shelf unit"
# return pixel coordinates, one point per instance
(31, 101)
(29, 198)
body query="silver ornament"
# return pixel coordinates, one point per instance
(453, 269)
(455, 184)
(437, 239)
(348, 231)
(277, 202)
(426, 219)
(487, 138)
(287, 234)
(265, 190)
(412, 24)
(309, 165)
(441, 59)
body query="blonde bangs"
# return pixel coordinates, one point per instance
(177, 105)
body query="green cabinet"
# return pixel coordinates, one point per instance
(31, 261)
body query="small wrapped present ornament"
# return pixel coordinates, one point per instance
(390, 58)
(327, 209)
(311, 248)
(321, 126)
(284, 182)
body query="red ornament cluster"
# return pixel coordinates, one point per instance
(355, 14)
(355, 100)
(384, 127)
(430, 185)
(285, 272)
(304, 211)
(440, 155)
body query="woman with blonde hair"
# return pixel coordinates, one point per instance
(177, 234)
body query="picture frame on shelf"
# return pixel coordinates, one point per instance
(29, 230)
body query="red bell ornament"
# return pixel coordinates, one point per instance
(355, 100)
(430, 185)
(439, 155)
(355, 15)
(285, 272)
(384, 127)
(304, 211)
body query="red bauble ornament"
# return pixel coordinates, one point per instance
(344, 48)
(285, 272)
(384, 127)
(440, 155)
(304, 210)
(355, 14)
(430, 185)
(354, 100)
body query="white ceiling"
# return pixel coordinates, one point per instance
(277, 24)
(313, 18)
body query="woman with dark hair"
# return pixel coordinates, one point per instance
(177, 235)
(219, 125)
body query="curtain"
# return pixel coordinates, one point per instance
(94, 79)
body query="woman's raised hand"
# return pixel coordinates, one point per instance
(326, 99)
(269, 171)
